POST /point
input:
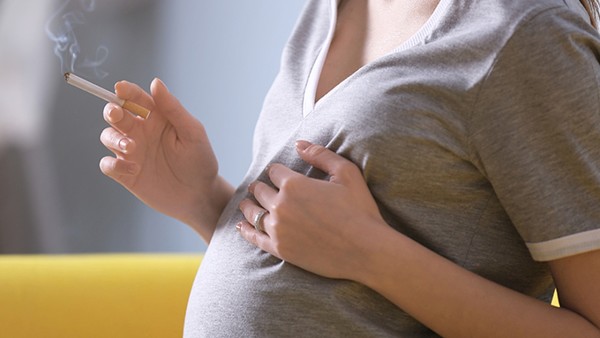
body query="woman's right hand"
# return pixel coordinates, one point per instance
(165, 160)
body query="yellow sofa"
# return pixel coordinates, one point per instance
(87, 296)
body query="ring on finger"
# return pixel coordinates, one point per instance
(258, 220)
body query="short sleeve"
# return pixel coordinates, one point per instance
(535, 133)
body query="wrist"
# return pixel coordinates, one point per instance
(206, 211)
(375, 259)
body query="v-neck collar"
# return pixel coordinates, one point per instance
(309, 104)
(310, 92)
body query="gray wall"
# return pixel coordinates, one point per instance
(219, 57)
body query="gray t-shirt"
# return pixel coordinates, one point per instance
(479, 138)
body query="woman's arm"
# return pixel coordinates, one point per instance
(457, 303)
(310, 219)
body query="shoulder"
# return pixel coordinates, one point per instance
(498, 22)
(550, 49)
(544, 24)
(312, 24)
(485, 32)
(542, 84)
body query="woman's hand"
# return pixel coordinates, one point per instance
(165, 160)
(320, 226)
(333, 228)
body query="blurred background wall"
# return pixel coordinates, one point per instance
(218, 56)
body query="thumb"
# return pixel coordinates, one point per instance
(339, 168)
(167, 105)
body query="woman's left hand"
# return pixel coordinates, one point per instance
(325, 227)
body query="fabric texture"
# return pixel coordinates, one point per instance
(478, 140)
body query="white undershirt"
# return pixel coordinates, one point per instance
(310, 93)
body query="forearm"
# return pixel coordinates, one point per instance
(455, 302)
(204, 218)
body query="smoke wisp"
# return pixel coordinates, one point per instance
(61, 29)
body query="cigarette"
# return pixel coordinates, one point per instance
(105, 95)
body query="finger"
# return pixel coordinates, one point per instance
(169, 106)
(117, 142)
(251, 210)
(132, 92)
(115, 167)
(280, 175)
(264, 194)
(116, 117)
(257, 238)
(340, 169)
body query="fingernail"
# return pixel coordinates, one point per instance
(112, 115)
(251, 187)
(302, 145)
(123, 144)
(161, 83)
(238, 226)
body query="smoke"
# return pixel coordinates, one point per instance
(61, 29)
